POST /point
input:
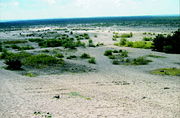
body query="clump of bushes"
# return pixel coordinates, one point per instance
(121, 58)
(36, 40)
(90, 43)
(147, 39)
(140, 61)
(126, 35)
(168, 44)
(15, 42)
(72, 57)
(135, 44)
(92, 60)
(1, 47)
(15, 61)
(85, 56)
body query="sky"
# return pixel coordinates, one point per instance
(42, 9)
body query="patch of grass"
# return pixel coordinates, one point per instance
(135, 44)
(60, 55)
(85, 56)
(29, 74)
(155, 56)
(147, 39)
(167, 71)
(15, 42)
(92, 60)
(76, 94)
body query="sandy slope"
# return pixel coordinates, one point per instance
(111, 92)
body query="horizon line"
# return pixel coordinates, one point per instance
(16, 20)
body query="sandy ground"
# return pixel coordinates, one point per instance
(114, 91)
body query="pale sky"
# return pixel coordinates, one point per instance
(40, 9)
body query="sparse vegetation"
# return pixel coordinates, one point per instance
(155, 56)
(92, 60)
(135, 44)
(167, 71)
(85, 56)
(15, 42)
(121, 58)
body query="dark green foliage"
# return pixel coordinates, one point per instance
(13, 64)
(15, 42)
(72, 57)
(36, 40)
(124, 53)
(168, 44)
(135, 44)
(125, 35)
(14, 60)
(147, 39)
(59, 55)
(85, 56)
(90, 43)
(108, 52)
(1, 47)
(92, 60)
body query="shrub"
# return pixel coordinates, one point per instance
(142, 44)
(115, 51)
(13, 64)
(92, 60)
(15, 42)
(108, 52)
(123, 42)
(115, 62)
(147, 39)
(41, 60)
(85, 56)
(140, 61)
(168, 44)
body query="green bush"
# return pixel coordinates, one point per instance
(108, 52)
(21, 47)
(1, 47)
(126, 35)
(123, 42)
(92, 60)
(167, 71)
(142, 44)
(85, 56)
(140, 61)
(147, 39)
(168, 44)
(36, 40)
(41, 60)
(124, 53)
